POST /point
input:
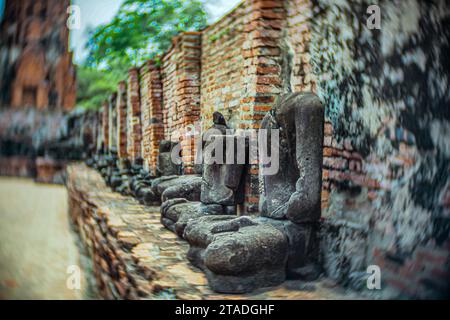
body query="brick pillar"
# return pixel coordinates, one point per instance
(144, 84)
(134, 130)
(99, 131)
(299, 17)
(151, 116)
(261, 77)
(121, 107)
(190, 102)
(112, 126)
(105, 127)
(185, 109)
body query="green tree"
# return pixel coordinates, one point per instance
(94, 86)
(141, 30)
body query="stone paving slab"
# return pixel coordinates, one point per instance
(136, 257)
(37, 246)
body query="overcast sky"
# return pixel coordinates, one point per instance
(96, 12)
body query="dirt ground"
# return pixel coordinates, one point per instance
(38, 249)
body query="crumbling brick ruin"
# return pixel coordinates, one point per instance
(37, 90)
(384, 195)
(36, 67)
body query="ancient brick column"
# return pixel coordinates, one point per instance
(189, 85)
(181, 83)
(99, 131)
(151, 116)
(37, 68)
(105, 127)
(112, 127)
(134, 130)
(262, 75)
(122, 120)
(144, 84)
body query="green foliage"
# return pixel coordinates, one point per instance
(141, 30)
(94, 86)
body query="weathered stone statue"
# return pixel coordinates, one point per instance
(137, 175)
(124, 166)
(241, 254)
(219, 190)
(165, 166)
(237, 254)
(292, 195)
(294, 192)
(151, 190)
(222, 182)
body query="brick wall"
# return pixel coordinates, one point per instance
(105, 126)
(134, 127)
(180, 73)
(262, 73)
(222, 65)
(385, 171)
(121, 107)
(112, 126)
(98, 135)
(299, 14)
(36, 65)
(241, 72)
(151, 116)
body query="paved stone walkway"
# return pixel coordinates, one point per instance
(37, 244)
(123, 231)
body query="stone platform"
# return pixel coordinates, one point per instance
(135, 257)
